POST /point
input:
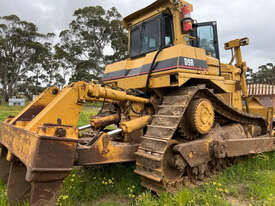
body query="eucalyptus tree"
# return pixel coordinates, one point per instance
(26, 58)
(264, 75)
(95, 37)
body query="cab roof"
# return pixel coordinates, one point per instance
(153, 9)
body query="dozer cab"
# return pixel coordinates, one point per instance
(179, 112)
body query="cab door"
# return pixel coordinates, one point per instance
(206, 38)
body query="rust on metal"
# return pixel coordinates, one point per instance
(4, 165)
(240, 147)
(45, 193)
(38, 152)
(197, 158)
(102, 153)
(18, 188)
(31, 113)
(47, 141)
(189, 122)
(46, 159)
(195, 153)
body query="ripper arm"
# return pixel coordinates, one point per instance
(44, 137)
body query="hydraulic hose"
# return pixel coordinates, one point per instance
(153, 66)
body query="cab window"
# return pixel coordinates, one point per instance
(151, 35)
(206, 39)
(168, 30)
(145, 37)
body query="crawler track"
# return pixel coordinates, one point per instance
(160, 135)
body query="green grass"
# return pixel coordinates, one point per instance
(3, 195)
(6, 111)
(86, 116)
(251, 182)
(92, 185)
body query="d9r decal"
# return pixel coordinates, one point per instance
(189, 62)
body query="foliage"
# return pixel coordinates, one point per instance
(29, 61)
(26, 60)
(81, 50)
(264, 75)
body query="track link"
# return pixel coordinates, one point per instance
(160, 133)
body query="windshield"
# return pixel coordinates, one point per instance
(146, 37)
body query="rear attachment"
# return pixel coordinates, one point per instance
(41, 160)
(41, 145)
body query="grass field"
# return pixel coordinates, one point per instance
(251, 182)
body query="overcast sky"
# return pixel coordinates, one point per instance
(235, 18)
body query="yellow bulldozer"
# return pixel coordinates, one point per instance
(176, 110)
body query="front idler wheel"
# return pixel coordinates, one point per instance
(202, 116)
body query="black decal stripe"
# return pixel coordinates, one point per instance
(161, 66)
(166, 63)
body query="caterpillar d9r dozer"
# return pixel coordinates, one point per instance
(179, 113)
